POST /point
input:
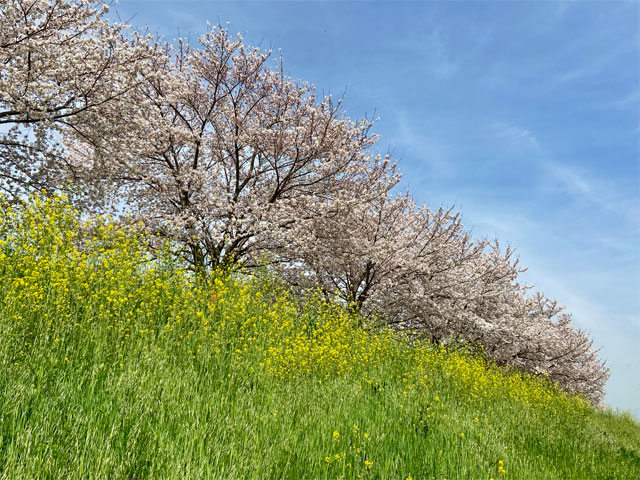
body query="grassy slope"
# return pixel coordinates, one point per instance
(111, 368)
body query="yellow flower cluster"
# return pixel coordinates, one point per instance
(484, 380)
(59, 274)
(328, 342)
(353, 455)
(501, 470)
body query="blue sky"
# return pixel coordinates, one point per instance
(523, 114)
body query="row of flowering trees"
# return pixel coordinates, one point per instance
(216, 148)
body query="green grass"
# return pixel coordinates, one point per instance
(112, 367)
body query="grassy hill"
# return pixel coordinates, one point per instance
(114, 365)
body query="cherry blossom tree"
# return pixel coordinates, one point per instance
(235, 157)
(65, 70)
(391, 256)
(534, 334)
(372, 247)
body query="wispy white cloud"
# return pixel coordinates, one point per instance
(630, 100)
(562, 7)
(515, 137)
(430, 51)
(572, 180)
(591, 65)
(443, 63)
(433, 156)
(504, 223)
(596, 191)
(578, 182)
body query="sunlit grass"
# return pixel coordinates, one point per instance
(115, 365)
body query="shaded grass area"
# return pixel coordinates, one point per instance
(113, 365)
